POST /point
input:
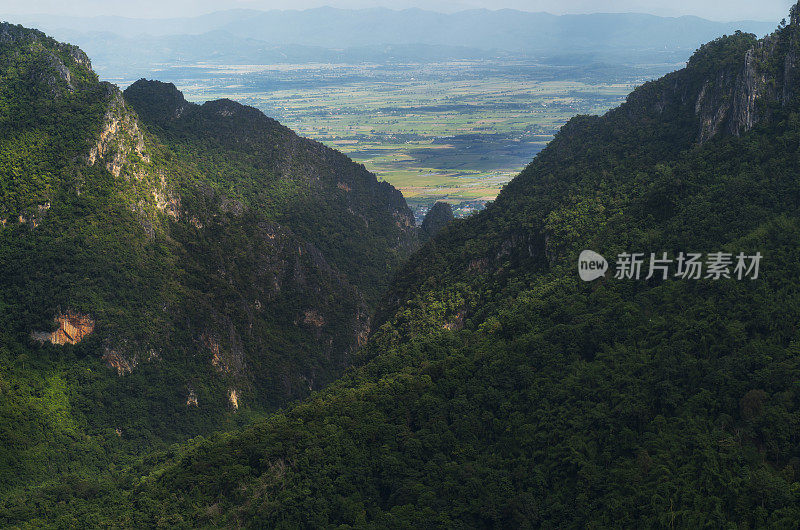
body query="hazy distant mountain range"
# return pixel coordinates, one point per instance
(329, 34)
(503, 29)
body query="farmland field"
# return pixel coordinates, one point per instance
(454, 131)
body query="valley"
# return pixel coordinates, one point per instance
(213, 317)
(455, 131)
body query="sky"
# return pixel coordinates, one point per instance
(721, 10)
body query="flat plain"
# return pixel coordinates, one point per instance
(454, 131)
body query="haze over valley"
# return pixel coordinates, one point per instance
(443, 106)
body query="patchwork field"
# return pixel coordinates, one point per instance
(452, 131)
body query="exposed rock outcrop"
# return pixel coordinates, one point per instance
(73, 327)
(122, 148)
(233, 399)
(733, 83)
(362, 328)
(119, 137)
(736, 99)
(118, 362)
(211, 343)
(228, 359)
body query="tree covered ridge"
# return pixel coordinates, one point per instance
(498, 390)
(204, 269)
(319, 192)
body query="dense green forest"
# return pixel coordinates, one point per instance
(499, 390)
(196, 256)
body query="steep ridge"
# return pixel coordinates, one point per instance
(319, 192)
(499, 390)
(155, 282)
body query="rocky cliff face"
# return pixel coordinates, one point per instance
(736, 99)
(125, 151)
(732, 84)
(120, 137)
(73, 327)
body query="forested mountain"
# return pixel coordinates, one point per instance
(497, 389)
(168, 269)
(500, 390)
(437, 218)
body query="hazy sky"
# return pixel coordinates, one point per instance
(724, 10)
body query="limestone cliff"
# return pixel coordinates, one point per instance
(73, 327)
(125, 151)
(730, 85)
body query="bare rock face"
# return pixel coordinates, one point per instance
(233, 399)
(729, 86)
(210, 342)
(72, 328)
(122, 149)
(119, 138)
(61, 71)
(227, 359)
(118, 363)
(737, 99)
(362, 328)
(713, 106)
(750, 85)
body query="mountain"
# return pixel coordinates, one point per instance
(437, 218)
(123, 47)
(125, 57)
(504, 29)
(168, 268)
(497, 389)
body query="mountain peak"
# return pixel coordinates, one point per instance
(57, 65)
(794, 15)
(437, 217)
(11, 34)
(156, 100)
